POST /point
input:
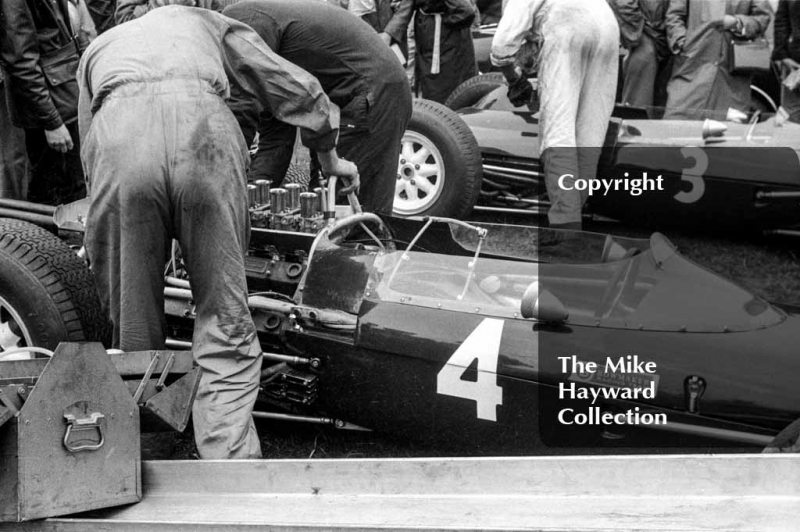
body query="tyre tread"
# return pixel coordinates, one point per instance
(62, 274)
(470, 183)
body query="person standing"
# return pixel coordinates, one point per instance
(787, 52)
(444, 52)
(578, 66)
(700, 34)
(14, 174)
(39, 58)
(356, 71)
(166, 159)
(648, 66)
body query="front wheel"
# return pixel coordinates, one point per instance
(440, 170)
(47, 294)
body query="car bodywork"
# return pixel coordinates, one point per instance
(450, 334)
(457, 334)
(735, 176)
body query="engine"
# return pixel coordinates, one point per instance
(284, 223)
(290, 208)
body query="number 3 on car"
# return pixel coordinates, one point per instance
(482, 344)
(693, 175)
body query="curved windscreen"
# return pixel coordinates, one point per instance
(600, 280)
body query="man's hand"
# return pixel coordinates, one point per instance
(730, 23)
(386, 38)
(519, 91)
(59, 139)
(332, 164)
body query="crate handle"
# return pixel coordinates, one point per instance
(86, 423)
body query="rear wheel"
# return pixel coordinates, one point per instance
(471, 91)
(47, 294)
(439, 172)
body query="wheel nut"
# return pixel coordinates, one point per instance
(412, 182)
(416, 167)
(402, 161)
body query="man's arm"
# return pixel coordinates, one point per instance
(293, 95)
(460, 13)
(19, 50)
(511, 32)
(84, 100)
(755, 23)
(398, 25)
(676, 24)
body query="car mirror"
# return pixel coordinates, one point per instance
(540, 304)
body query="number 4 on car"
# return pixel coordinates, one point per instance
(482, 345)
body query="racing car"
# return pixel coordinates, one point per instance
(479, 338)
(715, 175)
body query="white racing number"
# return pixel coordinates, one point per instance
(693, 175)
(483, 345)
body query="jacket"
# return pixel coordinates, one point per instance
(787, 31)
(39, 59)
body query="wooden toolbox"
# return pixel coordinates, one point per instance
(69, 437)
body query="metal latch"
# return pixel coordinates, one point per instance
(75, 424)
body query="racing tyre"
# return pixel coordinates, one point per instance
(471, 91)
(440, 170)
(47, 293)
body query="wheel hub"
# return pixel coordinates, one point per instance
(13, 333)
(420, 175)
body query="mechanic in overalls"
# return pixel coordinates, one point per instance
(578, 65)
(166, 159)
(358, 73)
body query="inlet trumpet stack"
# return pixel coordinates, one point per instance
(289, 208)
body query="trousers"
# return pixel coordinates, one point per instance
(577, 85)
(167, 160)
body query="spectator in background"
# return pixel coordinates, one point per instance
(13, 159)
(699, 33)
(787, 52)
(631, 21)
(445, 55)
(356, 71)
(39, 59)
(648, 66)
(577, 81)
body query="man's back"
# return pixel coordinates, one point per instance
(169, 42)
(344, 53)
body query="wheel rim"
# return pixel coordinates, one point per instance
(13, 332)
(420, 175)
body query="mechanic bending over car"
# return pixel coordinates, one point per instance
(166, 159)
(578, 67)
(358, 72)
